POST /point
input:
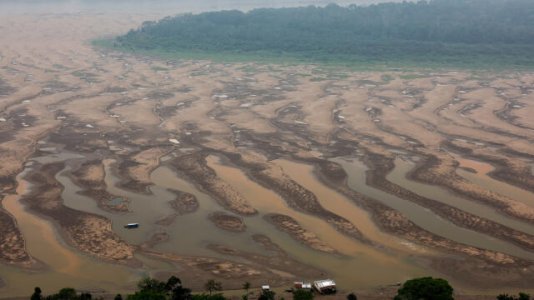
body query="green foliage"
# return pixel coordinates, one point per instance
(352, 296)
(216, 296)
(153, 289)
(212, 285)
(425, 288)
(36, 294)
(246, 286)
(435, 32)
(147, 295)
(148, 289)
(267, 295)
(521, 296)
(68, 294)
(86, 296)
(302, 295)
(387, 78)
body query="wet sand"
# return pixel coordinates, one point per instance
(116, 138)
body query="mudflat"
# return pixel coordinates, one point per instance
(91, 140)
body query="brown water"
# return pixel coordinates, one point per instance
(189, 234)
(482, 179)
(423, 217)
(339, 204)
(64, 265)
(364, 266)
(398, 176)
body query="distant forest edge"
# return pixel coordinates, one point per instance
(440, 33)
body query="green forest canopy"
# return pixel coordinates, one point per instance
(436, 32)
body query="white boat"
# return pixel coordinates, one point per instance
(326, 286)
(131, 225)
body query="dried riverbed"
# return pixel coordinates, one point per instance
(247, 172)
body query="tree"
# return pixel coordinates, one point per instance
(246, 286)
(36, 294)
(147, 295)
(267, 295)
(64, 294)
(86, 296)
(149, 289)
(522, 296)
(67, 294)
(352, 296)
(151, 284)
(212, 285)
(425, 288)
(437, 31)
(301, 294)
(153, 289)
(177, 291)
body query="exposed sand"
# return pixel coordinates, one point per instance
(57, 94)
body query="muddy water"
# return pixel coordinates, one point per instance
(188, 234)
(363, 265)
(194, 231)
(482, 179)
(424, 217)
(63, 263)
(398, 176)
(338, 204)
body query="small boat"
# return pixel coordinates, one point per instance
(326, 286)
(300, 285)
(131, 225)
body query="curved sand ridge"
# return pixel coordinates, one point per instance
(233, 131)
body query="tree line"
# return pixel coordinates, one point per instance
(442, 31)
(426, 288)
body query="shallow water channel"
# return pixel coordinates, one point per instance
(362, 265)
(63, 264)
(423, 217)
(359, 266)
(482, 178)
(403, 167)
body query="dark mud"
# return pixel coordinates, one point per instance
(228, 222)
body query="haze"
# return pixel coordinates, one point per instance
(266, 165)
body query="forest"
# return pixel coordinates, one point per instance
(436, 32)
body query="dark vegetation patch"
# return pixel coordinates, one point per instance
(86, 76)
(5, 88)
(160, 95)
(56, 86)
(475, 33)
(115, 89)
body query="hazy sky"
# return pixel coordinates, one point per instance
(65, 6)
